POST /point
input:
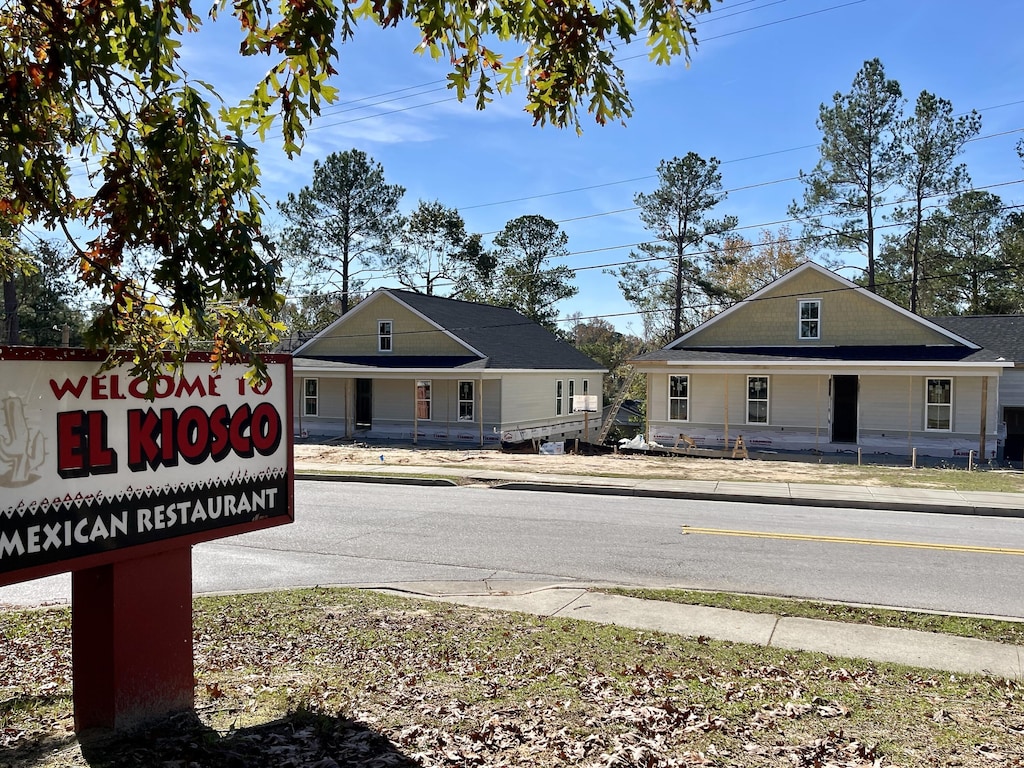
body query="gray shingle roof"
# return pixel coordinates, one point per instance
(1001, 334)
(507, 338)
(823, 354)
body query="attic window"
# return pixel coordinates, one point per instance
(810, 319)
(383, 335)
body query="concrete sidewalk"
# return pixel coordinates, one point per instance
(802, 494)
(576, 601)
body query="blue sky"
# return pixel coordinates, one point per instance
(749, 97)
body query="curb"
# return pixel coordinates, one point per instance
(611, 490)
(654, 493)
(382, 479)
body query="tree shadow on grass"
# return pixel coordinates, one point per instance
(182, 740)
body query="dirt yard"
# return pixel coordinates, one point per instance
(759, 468)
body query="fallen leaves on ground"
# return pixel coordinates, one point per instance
(339, 679)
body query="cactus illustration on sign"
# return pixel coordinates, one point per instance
(22, 450)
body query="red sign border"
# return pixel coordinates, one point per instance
(51, 354)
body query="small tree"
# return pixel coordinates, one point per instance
(599, 340)
(746, 267)
(433, 253)
(524, 279)
(673, 271)
(860, 161)
(343, 223)
(969, 263)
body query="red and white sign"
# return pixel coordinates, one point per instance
(90, 465)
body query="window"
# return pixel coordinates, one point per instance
(384, 333)
(810, 319)
(940, 405)
(757, 399)
(466, 401)
(423, 400)
(586, 386)
(572, 394)
(679, 398)
(311, 397)
(558, 398)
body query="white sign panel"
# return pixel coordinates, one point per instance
(90, 464)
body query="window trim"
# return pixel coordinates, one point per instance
(685, 399)
(559, 393)
(800, 319)
(766, 400)
(315, 397)
(471, 401)
(381, 335)
(427, 399)
(948, 406)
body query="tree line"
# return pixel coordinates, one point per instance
(345, 229)
(888, 188)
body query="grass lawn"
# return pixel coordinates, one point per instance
(331, 678)
(1009, 632)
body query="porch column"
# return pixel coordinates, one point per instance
(647, 410)
(984, 417)
(726, 390)
(348, 408)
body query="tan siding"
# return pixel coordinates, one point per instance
(848, 317)
(357, 334)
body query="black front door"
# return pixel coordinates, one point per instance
(364, 403)
(844, 409)
(1013, 449)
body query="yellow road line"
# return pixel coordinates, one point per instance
(843, 540)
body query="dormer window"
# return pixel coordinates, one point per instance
(383, 335)
(810, 320)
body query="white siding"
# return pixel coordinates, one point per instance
(1011, 388)
(884, 400)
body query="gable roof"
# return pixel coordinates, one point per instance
(494, 337)
(842, 284)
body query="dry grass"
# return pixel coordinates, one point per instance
(354, 458)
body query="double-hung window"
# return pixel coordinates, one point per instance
(810, 319)
(939, 414)
(679, 398)
(757, 399)
(423, 400)
(572, 394)
(384, 335)
(311, 397)
(466, 401)
(558, 397)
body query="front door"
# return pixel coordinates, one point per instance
(1013, 448)
(364, 403)
(844, 409)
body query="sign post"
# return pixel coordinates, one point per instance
(104, 477)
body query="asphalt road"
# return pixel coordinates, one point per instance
(353, 533)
